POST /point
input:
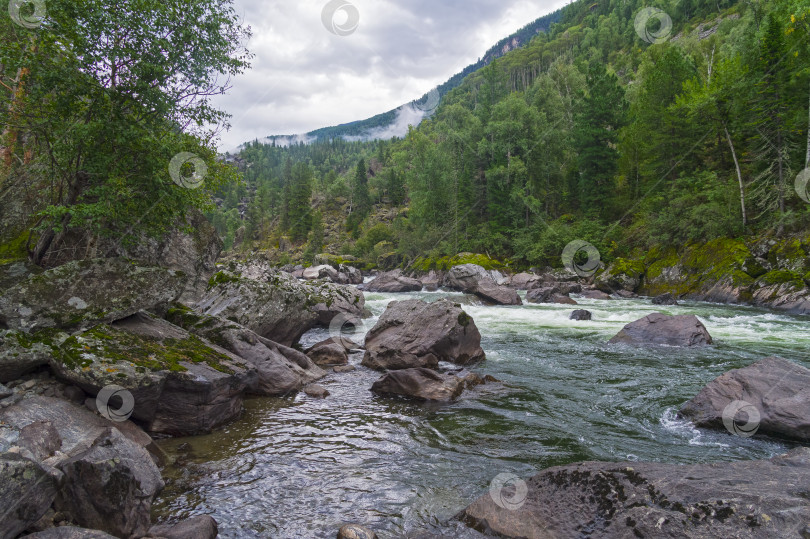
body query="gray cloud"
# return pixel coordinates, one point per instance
(304, 77)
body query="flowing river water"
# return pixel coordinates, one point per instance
(300, 467)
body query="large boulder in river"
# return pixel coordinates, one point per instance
(181, 384)
(276, 305)
(600, 500)
(771, 396)
(280, 369)
(415, 333)
(393, 281)
(425, 384)
(329, 352)
(474, 279)
(658, 328)
(555, 293)
(26, 493)
(526, 281)
(81, 294)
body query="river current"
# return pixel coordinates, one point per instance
(300, 467)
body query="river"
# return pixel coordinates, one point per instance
(301, 467)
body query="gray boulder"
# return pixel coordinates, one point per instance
(82, 294)
(595, 294)
(316, 391)
(432, 281)
(658, 328)
(328, 353)
(415, 333)
(664, 299)
(771, 397)
(320, 272)
(393, 282)
(600, 500)
(581, 315)
(557, 293)
(110, 486)
(526, 281)
(425, 384)
(276, 305)
(474, 279)
(281, 370)
(26, 493)
(199, 527)
(180, 384)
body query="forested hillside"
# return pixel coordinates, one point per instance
(622, 134)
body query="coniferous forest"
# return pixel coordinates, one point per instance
(594, 130)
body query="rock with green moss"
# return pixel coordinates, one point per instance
(21, 353)
(621, 274)
(276, 305)
(181, 384)
(12, 273)
(81, 294)
(280, 370)
(26, 493)
(783, 290)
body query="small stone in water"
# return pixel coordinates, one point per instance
(580, 315)
(353, 531)
(314, 390)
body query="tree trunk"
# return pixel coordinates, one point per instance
(739, 175)
(807, 157)
(49, 237)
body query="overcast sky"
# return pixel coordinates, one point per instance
(305, 76)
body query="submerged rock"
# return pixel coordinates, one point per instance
(771, 397)
(354, 531)
(658, 328)
(474, 279)
(581, 315)
(752, 499)
(316, 391)
(199, 527)
(415, 333)
(425, 384)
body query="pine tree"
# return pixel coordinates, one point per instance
(361, 201)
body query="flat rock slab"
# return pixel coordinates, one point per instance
(771, 397)
(662, 329)
(393, 282)
(754, 499)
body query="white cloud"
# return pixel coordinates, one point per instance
(303, 77)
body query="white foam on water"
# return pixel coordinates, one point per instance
(685, 429)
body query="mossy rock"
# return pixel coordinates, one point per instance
(426, 264)
(622, 274)
(779, 277)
